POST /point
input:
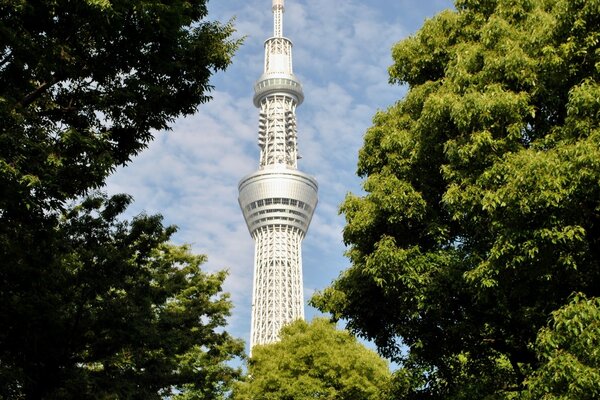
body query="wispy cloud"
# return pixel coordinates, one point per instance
(190, 175)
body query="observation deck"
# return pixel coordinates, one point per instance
(286, 84)
(278, 196)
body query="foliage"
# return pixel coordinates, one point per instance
(482, 207)
(313, 361)
(114, 312)
(83, 85)
(570, 353)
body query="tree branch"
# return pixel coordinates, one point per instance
(512, 354)
(517, 370)
(31, 97)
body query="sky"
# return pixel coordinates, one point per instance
(190, 175)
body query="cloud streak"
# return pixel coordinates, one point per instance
(190, 175)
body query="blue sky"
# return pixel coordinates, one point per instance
(190, 174)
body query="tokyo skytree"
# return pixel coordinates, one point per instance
(277, 200)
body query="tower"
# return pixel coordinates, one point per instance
(277, 201)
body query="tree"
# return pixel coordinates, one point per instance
(313, 361)
(116, 312)
(481, 213)
(85, 83)
(570, 353)
(83, 86)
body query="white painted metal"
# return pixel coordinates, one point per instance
(277, 201)
(278, 8)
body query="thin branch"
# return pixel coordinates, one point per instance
(518, 372)
(31, 97)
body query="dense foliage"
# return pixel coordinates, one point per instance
(314, 361)
(482, 208)
(570, 353)
(84, 83)
(114, 311)
(91, 307)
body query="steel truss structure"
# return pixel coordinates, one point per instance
(277, 201)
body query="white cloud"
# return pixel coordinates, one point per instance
(190, 175)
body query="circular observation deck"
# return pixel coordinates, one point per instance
(280, 83)
(278, 196)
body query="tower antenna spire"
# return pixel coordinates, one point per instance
(278, 10)
(277, 200)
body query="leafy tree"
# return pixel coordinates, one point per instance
(116, 312)
(570, 353)
(83, 84)
(482, 207)
(313, 361)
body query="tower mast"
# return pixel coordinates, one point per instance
(278, 8)
(277, 200)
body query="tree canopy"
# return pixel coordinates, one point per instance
(83, 84)
(114, 311)
(482, 208)
(314, 360)
(93, 307)
(569, 350)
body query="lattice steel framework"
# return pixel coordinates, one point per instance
(278, 201)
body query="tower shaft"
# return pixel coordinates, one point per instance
(278, 291)
(277, 131)
(277, 201)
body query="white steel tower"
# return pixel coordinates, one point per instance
(278, 201)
